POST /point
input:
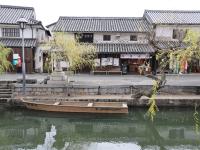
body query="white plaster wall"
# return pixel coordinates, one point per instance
(70, 34)
(41, 36)
(165, 32)
(124, 37)
(51, 27)
(28, 32)
(120, 37)
(38, 62)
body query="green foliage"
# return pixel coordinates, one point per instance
(190, 52)
(152, 101)
(78, 55)
(196, 120)
(48, 64)
(165, 57)
(4, 63)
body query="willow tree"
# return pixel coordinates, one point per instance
(66, 48)
(191, 51)
(4, 63)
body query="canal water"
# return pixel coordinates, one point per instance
(173, 129)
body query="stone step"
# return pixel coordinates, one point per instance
(4, 100)
(5, 92)
(5, 86)
(5, 95)
(4, 81)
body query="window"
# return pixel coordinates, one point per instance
(10, 32)
(175, 34)
(133, 38)
(106, 37)
(84, 37)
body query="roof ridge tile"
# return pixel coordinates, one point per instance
(16, 7)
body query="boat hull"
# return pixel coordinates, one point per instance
(78, 107)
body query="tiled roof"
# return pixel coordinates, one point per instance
(101, 24)
(10, 42)
(169, 44)
(172, 17)
(52, 24)
(123, 48)
(11, 14)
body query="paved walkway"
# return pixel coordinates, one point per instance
(86, 79)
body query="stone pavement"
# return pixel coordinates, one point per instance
(104, 80)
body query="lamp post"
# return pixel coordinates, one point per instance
(22, 24)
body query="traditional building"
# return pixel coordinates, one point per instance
(168, 28)
(122, 43)
(34, 35)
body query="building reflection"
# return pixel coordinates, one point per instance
(28, 131)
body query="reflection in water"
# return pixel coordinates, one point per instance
(49, 140)
(31, 130)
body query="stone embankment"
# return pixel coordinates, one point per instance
(73, 90)
(168, 96)
(5, 91)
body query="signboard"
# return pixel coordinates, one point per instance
(116, 62)
(134, 56)
(15, 56)
(97, 62)
(107, 61)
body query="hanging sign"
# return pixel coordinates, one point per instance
(116, 62)
(15, 56)
(107, 61)
(134, 56)
(97, 62)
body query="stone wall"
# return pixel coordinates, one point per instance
(44, 90)
(59, 90)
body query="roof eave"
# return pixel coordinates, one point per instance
(176, 23)
(103, 31)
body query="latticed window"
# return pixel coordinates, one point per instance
(175, 34)
(106, 37)
(10, 32)
(133, 37)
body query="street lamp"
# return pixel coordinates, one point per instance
(22, 24)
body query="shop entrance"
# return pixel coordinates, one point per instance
(132, 65)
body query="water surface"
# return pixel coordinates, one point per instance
(173, 129)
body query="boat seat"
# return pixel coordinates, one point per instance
(57, 103)
(90, 104)
(124, 105)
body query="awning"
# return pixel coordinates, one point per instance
(124, 48)
(167, 45)
(11, 42)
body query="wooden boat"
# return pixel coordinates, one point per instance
(77, 106)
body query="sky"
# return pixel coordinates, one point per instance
(48, 11)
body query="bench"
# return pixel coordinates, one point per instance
(28, 81)
(99, 72)
(107, 72)
(114, 72)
